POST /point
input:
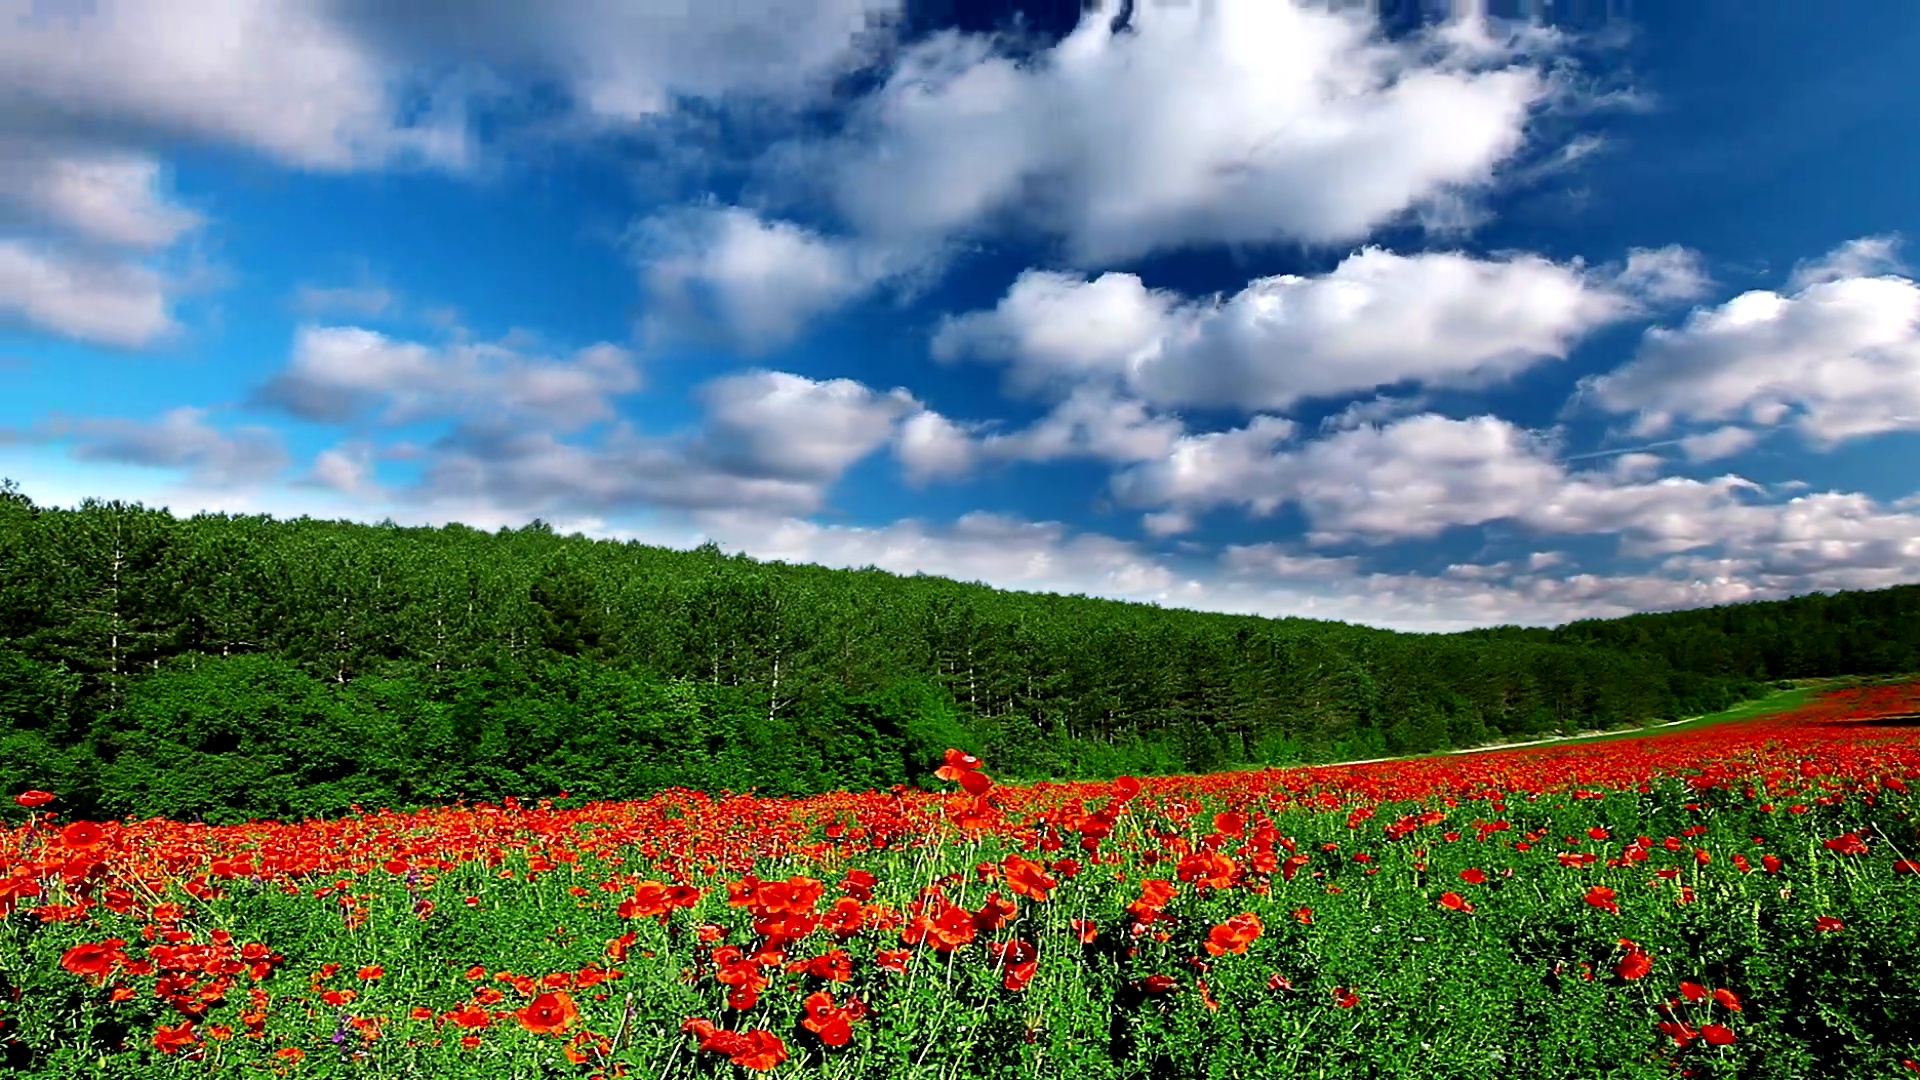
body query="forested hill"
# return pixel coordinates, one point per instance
(232, 666)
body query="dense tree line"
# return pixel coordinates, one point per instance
(227, 666)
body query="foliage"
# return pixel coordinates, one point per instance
(1738, 900)
(221, 667)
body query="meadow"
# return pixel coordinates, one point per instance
(1736, 899)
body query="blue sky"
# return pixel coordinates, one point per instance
(1425, 317)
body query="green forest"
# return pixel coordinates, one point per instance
(224, 667)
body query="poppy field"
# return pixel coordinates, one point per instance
(1741, 899)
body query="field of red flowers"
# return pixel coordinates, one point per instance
(1737, 900)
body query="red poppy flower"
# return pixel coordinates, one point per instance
(470, 1015)
(548, 1014)
(761, 1050)
(1602, 897)
(1456, 902)
(958, 763)
(1847, 843)
(1345, 998)
(177, 1037)
(1634, 965)
(83, 834)
(1234, 935)
(1717, 1034)
(33, 798)
(1826, 924)
(1473, 875)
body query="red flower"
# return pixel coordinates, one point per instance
(1602, 897)
(1827, 924)
(177, 1037)
(1717, 1034)
(1456, 902)
(762, 1050)
(92, 960)
(548, 1014)
(1158, 984)
(827, 1020)
(1234, 935)
(470, 1015)
(1847, 843)
(83, 834)
(1634, 965)
(1345, 998)
(33, 798)
(958, 764)
(1473, 875)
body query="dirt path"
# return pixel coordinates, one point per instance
(1510, 746)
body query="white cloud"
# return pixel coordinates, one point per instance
(623, 61)
(101, 300)
(775, 424)
(1232, 121)
(1719, 443)
(1664, 274)
(1840, 358)
(1868, 256)
(1377, 319)
(347, 469)
(279, 76)
(1003, 551)
(1421, 475)
(108, 197)
(341, 373)
(1091, 423)
(725, 272)
(179, 439)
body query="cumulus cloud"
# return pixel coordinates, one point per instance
(1838, 359)
(344, 373)
(1664, 274)
(347, 469)
(775, 424)
(97, 299)
(1719, 443)
(624, 61)
(1421, 475)
(726, 273)
(1233, 121)
(179, 439)
(1867, 256)
(83, 221)
(534, 472)
(104, 196)
(1377, 319)
(283, 77)
(1003, 551)
(1091, 424)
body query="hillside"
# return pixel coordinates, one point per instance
(224, 666)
